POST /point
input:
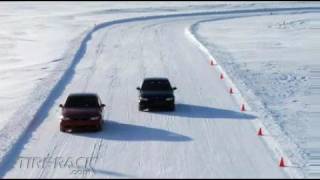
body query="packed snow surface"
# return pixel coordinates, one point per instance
(267, 51)
(275, 58)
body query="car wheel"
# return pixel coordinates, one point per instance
(172, 107)
(99, 127)
(141, 108)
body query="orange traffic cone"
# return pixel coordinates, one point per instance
(231, 91)
(221, 76)
(243, 108)
(282, 163)
(260, 132)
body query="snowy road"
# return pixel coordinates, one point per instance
(207, 136)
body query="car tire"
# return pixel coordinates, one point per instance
(172, 107)
(62, 129)
(141, 108)
(99, 128)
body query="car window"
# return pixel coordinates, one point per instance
(156, 85)
(82, 102)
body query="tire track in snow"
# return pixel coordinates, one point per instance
(86, 76)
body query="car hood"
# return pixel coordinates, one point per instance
(80, 112)
(157, 94)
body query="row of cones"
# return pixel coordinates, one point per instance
(281, 164)
(231, 92)
(260, 133)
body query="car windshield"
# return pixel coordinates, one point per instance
(156, 85)
(82, 102)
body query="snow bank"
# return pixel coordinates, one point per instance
(270, 141)
(270, 58)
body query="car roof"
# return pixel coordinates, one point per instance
(156, 79)
(83, 94)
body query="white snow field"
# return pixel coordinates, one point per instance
(274, 61)
(49, 50)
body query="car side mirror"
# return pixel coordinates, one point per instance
(138, 88)
(174, 88)
(103, 105)
(61, 105)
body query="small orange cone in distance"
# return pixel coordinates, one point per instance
(231, 91)
(282, 163)
(243, 108)
(221, 76)
(260, 132)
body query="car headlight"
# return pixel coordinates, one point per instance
(169, 99)
(143, 99)
(95, 118)
(64, 118)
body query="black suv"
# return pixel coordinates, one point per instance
(156, 93)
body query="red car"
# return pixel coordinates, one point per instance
(82, 112)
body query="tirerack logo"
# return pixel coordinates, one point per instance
(82, 165)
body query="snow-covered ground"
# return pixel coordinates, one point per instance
(49, 50)
(274, 59)
(37, 36)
